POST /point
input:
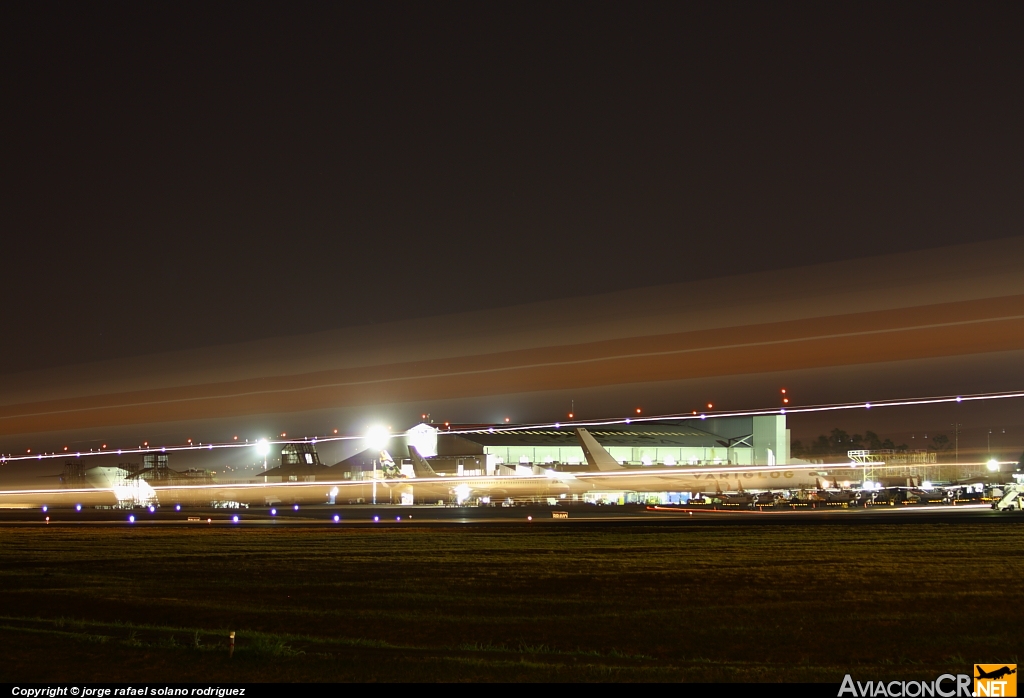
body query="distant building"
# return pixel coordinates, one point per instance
(489, 450)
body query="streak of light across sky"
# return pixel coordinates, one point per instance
(904, 402)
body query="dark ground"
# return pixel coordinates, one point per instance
(751, 601)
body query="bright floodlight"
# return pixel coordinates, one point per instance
(377, 437)
(993, 466)
(263, 448)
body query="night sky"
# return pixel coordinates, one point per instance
(185, 175)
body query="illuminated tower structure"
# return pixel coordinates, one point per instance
(299, 463)
(156, 467)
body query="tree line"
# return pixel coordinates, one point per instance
(838, 442)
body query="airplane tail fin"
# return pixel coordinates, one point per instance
(597, 457)
(420, 466)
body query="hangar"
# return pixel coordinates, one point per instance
(477, 449)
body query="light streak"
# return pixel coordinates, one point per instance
(475, 481)
(903, 402)
(712, 470)
(547, 364)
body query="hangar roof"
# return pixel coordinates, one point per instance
(646, 434)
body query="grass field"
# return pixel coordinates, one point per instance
(632, 603)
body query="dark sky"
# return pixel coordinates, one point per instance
(179, 175)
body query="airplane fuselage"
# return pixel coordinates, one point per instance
(433, 489)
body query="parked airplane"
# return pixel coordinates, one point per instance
(937, 495)
(607, 474)
(837, 494)
(741, 498)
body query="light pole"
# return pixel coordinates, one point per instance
(262, 449)
(376, 439)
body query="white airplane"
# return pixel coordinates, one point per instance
(607, 474)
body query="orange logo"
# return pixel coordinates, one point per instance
(995, 680)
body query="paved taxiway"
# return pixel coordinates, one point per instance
(320, 516)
